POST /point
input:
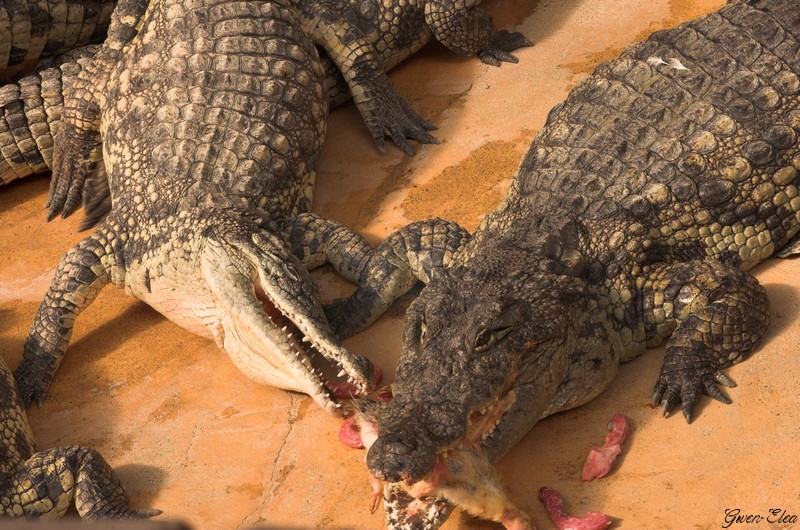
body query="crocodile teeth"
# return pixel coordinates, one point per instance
(341, 373)
(284, 328)
(306, 338)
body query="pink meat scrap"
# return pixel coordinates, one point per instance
(555, 509)
(601, 457)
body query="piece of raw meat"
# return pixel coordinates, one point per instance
(462, 475)
(555, 509)
(601, 457)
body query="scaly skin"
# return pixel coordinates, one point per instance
(387, 32)
(206, 151)
(30, 114)
(633, 219)
(392, 33)
(45, 484)
(31, 30)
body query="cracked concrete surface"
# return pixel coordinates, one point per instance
(192, 436)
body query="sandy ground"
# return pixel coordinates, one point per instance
(192, 436)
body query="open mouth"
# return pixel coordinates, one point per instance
(484, 420)
(332, 378)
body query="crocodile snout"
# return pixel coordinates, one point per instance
(405, 456)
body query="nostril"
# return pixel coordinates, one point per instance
(401, 457)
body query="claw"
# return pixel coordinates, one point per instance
(724, 380)
(690, 394)
(422, 137)
(400, 141)
(386, 113)
(501, 47)
(380, 143)
(712, 390)
(428, 126)
(487, 57)
(669, 401)
(686, 385)
(658, 393)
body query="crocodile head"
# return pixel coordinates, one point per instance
(234, 280)
(485, 347)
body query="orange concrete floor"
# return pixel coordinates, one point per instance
(192, 436)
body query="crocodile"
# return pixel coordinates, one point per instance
(33, 30)
(45, 484)
(211, 116)
(633, 219)
(31, 108)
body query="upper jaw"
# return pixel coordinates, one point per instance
(478, 424)
(272, 324)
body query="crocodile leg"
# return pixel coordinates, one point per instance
(718, 314)
(78, 149)
(76, 155)
(384, 111)
(49, 482)
(80, 276)
(315, 240)
(410, 254)
(468, 30)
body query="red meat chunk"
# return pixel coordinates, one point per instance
(601, 457)
(555, 509)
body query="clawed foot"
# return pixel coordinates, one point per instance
(74, 160)
(386, 113)
(686, 385)
(499, 50)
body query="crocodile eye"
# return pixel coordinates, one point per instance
(483, 340)
(488, 337)
(288, 269)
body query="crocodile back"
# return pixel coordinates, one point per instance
(218, 103)
(31, 30)
(16, 439)
(689, 140)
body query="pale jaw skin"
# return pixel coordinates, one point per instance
(261, 307)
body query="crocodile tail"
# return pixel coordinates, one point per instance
(31, 30)
(30, 114)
